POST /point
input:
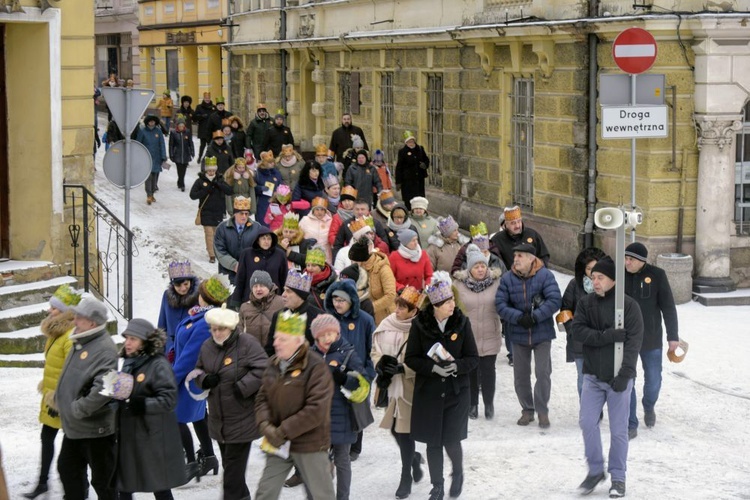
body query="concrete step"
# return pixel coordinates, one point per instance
(32, 293)
(18, 318)
(35, 360)
(14, 272)
(739, 297)
(25, 341)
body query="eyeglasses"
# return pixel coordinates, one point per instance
(339, 300)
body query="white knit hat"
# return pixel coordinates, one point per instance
(223, 317)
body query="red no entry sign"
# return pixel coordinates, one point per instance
(634, 50)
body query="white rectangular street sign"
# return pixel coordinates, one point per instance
(634, 122)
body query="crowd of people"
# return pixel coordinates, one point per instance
(332, 297)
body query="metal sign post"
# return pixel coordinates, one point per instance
(632, 177)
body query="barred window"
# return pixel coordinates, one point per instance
(435, 128)
(261, 89)
(523, 142)
(345, 95)
(742, 176)
(386, 104)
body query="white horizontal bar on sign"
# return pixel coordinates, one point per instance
(635, 50)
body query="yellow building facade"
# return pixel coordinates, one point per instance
(46, 123)
(180, 47)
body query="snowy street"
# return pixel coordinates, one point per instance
(698, 448)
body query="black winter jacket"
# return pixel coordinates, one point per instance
(312, 313)
(211, 194)
(277, 137)
(341, 140)
(273, 261)
(505, 244)
(650, 289)
(202, 112)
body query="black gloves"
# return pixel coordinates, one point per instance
(210, 381)
(615, 334)
(137, 405)
(52, 413)
(338, 376)
(619, 383)
(391, 370)
(526, 321)
(388, 366)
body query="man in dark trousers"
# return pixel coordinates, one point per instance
(277, 135)
(593, 326)
(202, 112)
(341, 138)
(649, 286)
(256, 130)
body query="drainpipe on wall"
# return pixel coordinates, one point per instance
(588, 229)
(282, 36)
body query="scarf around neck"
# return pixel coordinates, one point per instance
(398, 227)
(412, 255)
(346, 215)
(478, 286)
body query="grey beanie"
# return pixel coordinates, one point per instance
(93, 309)
(342, 295)
(406, 235)
(260, 277)
(474, 255)
(139, 328)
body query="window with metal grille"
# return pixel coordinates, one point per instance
(523, 142)
(742, 176)
(435, 128)
(261, 90)
(386, 104)
(345, 92)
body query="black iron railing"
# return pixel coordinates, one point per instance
(103, 249)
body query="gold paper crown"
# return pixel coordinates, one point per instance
(217, 287)
(210, 161)
(513, 213)
(480, 228)
(241, 161)
(290, 323)
(287, 149)
(357, 224)
(319, 201)
(225, 122)
(349, 191)
(411, 295)
(266, 157)
(316, 256)
(241, 204)
(218, 134)
(291, 221)
(321, 149)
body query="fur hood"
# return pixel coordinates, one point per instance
(463, 274)
(186, 301)
(153, 345)
(439, 240)
(55, 326)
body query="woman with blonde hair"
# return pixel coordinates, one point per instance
(241, 180)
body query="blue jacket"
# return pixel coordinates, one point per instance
(357, 326)
(341, 407)
(153, 139)
(191, 333)
(229, 244)
(536, 293)
(262, 176)
(174, 309)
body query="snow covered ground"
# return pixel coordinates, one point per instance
(698, 448)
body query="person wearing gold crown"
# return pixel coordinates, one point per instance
(323, 157)
(322, 276)
(235, 235)
(220, 150)
(210, 190)
(242, 182)
(57, 328)
(442, 351)
(359, 228)
(290, 164)
(309, 186)
(316, 224)
(293, 405)
(512, 233)
(293, 241)
(232, 364)
(344, 213)
(267, 180)
(397, 380)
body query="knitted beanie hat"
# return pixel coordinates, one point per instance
(324, 323)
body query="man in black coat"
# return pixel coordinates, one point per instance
(514, 232)
(233, 236)
(594, 326)
(218, 116)
(202, 112)
(277, 135)
(256, 130)
(264, 254)
(296, 292)
(411, 170)
(211, 190)
(341, 138)
(649, 286)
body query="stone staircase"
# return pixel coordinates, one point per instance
(25, 289)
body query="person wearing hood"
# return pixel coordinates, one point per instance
(527, 299)
(290, 163)
(256, 314)
(425, 224)
(88, 418)
(256, 130)
(242, 182)
(277, 135)
(152, 138)
(267, 180)
(216, 120)
(231, 366)
(180, 296)
(264, 254)
(385, 204)
(316, 224)
(398, 220)
(388, 354)
(57, 328)
(412, 169)
(444, 244)
(349, 387)
(381, 279)
(580, 286)
(344, 214)
(202, 112)
(363, 177)
(210, 189)
(150, 457)
(410, 264)
(181, 149)
(342, 302)
(476, 287)
(221, 151)
(440, 408)
(322, 277)
(238, 136)
(187, 112)
(309, 186)
(362, 283)
(332, 192)
(233, 236)
(324, 159)
(191, 334)
(341, 138)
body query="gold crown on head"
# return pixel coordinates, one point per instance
(357, 224)
(321, 149)
(241, 204)
(411, 295)
(290, 323)
(291, 221)
(349, 191)
(210, 161)
(480, 228)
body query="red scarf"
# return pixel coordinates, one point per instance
(322, 275)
